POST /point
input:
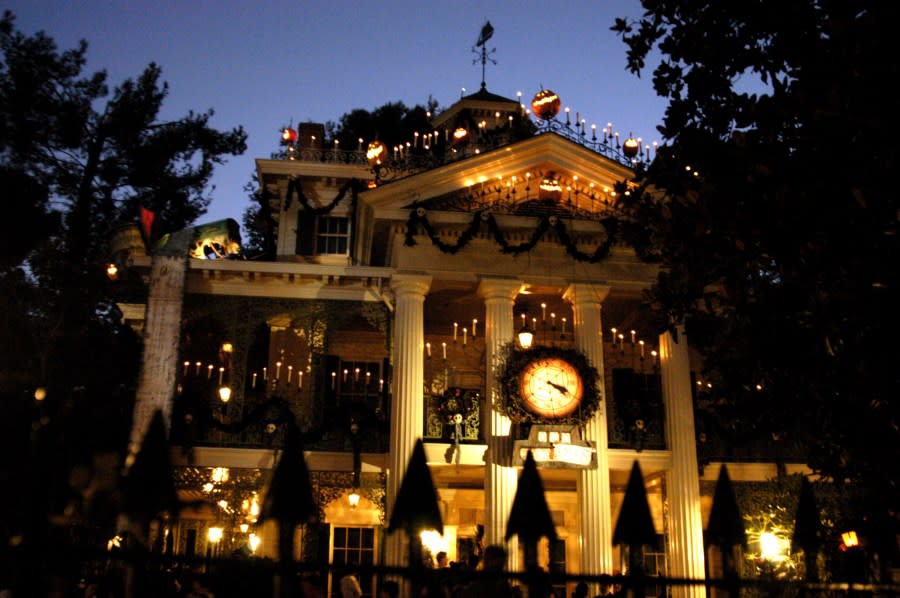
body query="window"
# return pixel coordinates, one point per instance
(353, 546)
(332, 235)
(323, 235)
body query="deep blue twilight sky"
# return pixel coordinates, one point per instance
(263, 64)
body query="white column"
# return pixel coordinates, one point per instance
(500, 478)
(685, 550)
(407, 401)
(159, 365)
(593, 484)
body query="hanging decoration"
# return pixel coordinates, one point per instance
(294, 186)
(453, 408)
(418, 217)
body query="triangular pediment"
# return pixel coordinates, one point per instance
(509, 177)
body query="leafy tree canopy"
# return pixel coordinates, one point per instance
(772, 211)
(76, 160)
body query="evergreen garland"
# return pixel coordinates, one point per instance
(417, 218)
(294, 186)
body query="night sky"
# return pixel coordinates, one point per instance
(265, 64)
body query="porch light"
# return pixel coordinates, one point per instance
(225, 394)
(353, 499)
(526, 337)
(254, 541)
(214, 534)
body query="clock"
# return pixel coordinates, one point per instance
(548, 384)
(550, 387)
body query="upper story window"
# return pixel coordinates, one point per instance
(323, 235)
(332, 235)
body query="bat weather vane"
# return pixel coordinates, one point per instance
(480, 49)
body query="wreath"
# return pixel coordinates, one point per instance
(456, 405)
(511, 403)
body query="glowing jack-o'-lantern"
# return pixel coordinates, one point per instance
(376, 153)
(550, 187)
(288, 135)
(631, 147)
(545, 104)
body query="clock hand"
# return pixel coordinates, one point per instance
(559, 387)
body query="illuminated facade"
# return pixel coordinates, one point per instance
(391, 313)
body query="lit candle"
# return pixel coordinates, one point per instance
(333, 377)
(368, 377)
(428, 349)
(221, 374)
(641, 343)
(543, 312)
(290, 371)
(380, 384)
(563, 325)
(474, 327)
(455, 327)
(253, 382)
(299, 379)
(344, 377)
(553, 320)
(632, 337)
(444, 347)
(356, 375)
(209, 370)
(265, 374)
(614, 337)
(359, 144)
(622, 340)
(465, 336)
(197, 368)
(277, 370)
(523, 320)
(186, 366)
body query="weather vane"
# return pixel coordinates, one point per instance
(487, 31)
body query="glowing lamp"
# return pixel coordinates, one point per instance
(545, 104)
(526, 337)
(214, 534)
(225, 393)
(112, 271)
(353, 499)
(376, 153)
(460, 135)
(288, 135)
(849, 539)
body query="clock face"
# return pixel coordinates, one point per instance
(551, 387)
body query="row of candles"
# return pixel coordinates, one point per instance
(197, 368)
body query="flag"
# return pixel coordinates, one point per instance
(486, 33)
(147, 218)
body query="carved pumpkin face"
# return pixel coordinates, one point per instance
(545, 104)
(376, 153)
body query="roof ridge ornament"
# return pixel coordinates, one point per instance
(487, 31)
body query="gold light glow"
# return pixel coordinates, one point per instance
(214, 534)
(220, 474)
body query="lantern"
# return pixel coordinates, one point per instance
(631, 147)
(288, 135)
(460, 134)
(376, 153)
(545, 104)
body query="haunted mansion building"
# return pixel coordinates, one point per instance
(463, 290)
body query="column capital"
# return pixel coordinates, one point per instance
(490, 287)
(586, 292)
(411, 282)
